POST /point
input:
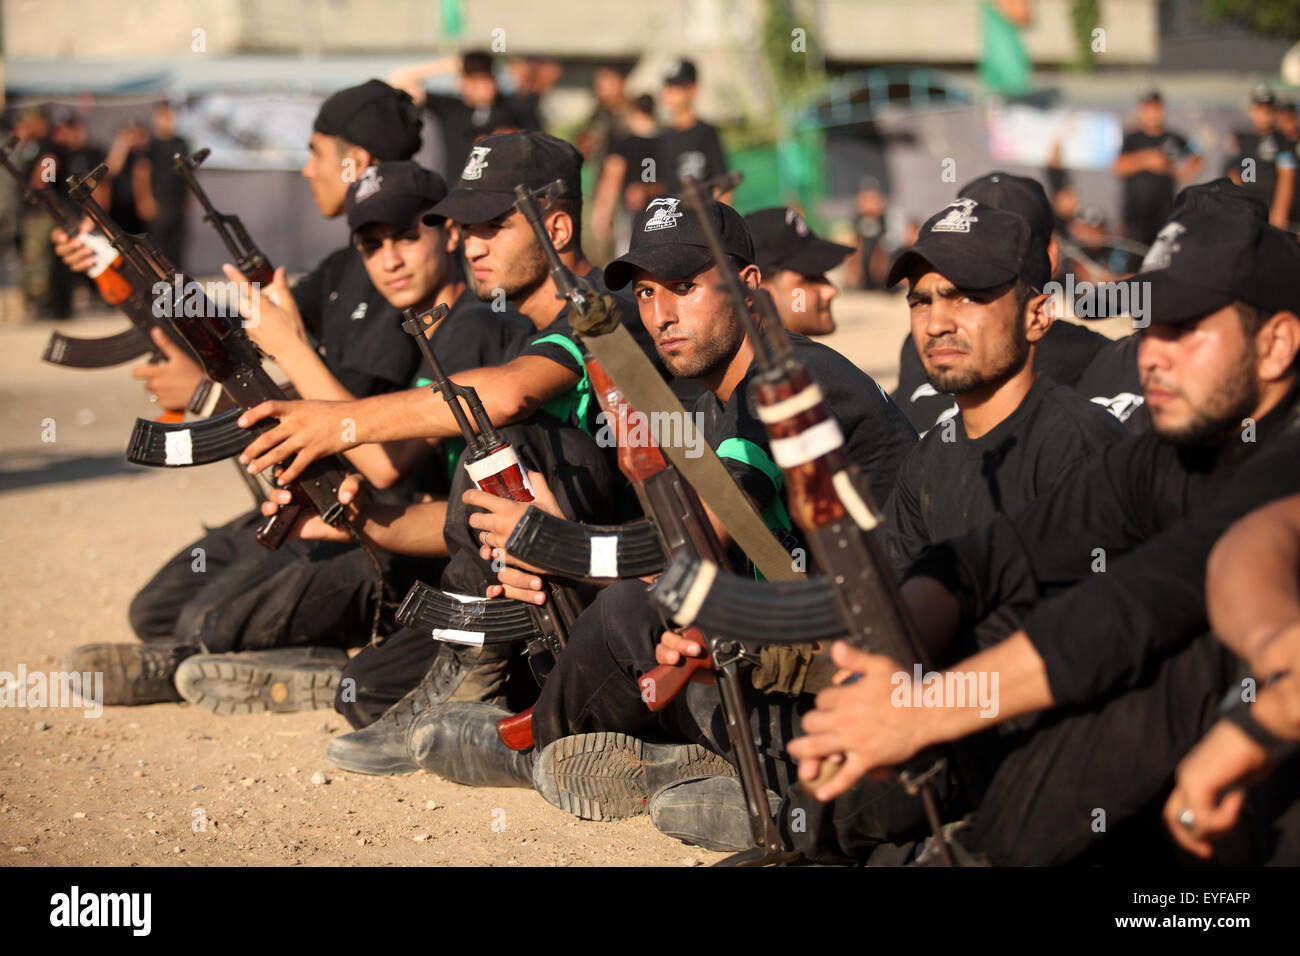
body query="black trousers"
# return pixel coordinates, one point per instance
(247, 598)
(595, 687)
(1090, 785)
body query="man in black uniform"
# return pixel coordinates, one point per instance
(326, 596)
(794, 261)
(359, 337)
(160, 193)
(1272, 162)
(402, 679)
(507, 266)
(690, 146)
(1113, 563)
(594, 688)
(1062, 354)
(479, 110)
(1151, 160)
(978, 314)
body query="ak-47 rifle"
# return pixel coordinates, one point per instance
(827, 496)
(494, 467)
(117, 284)
(249, 259)
(228, 358)
(683, 524)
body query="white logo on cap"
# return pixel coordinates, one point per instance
(368, 184)
(664, 215)
(1163, 249)
(477, 162)
(958, 217)
(792, 218)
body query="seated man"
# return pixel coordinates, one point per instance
(978, 316)
(365, 351)
(1112, 561)
(794, 261)
(325, 596)
(592, 701)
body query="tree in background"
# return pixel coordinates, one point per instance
(1275, 18)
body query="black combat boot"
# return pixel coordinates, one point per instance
(282, 681)
(708, 812)
(457, 672)
(459, 742)
(133, 673)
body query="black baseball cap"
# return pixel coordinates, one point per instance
(977, 247)
(393, 194)
(1018, 194)
(499, 163)
(782, 240)
(1221, 193)
(375, 116)
(1206, 259)
(679, 73)
(667, 241)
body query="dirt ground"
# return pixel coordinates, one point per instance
(171, 784)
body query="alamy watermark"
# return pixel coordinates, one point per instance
(946, 689)
(665, 429)
(56, 689)
(1099, 300)
(192, 300)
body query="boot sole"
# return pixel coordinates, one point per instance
(231, 686)
(607, 776)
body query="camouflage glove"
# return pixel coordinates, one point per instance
(603, 315)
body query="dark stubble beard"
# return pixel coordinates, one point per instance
(527, 274)
(1004, 365)
(1234, 400)
(711, 354)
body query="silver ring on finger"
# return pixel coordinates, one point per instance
(1187, 820)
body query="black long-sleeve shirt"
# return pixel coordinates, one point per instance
(950, 483)
(1151, 512)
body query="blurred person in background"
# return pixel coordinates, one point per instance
(691, 147)
(75, 156)
(607, 124)
(479, 108)
(880, 230)
(629, 176)
(34, 224)
(159, 193)
(1266, 163)
(128, 147)
(1288, 127)
(1151, 161)
(533, 78)
(608, 121)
